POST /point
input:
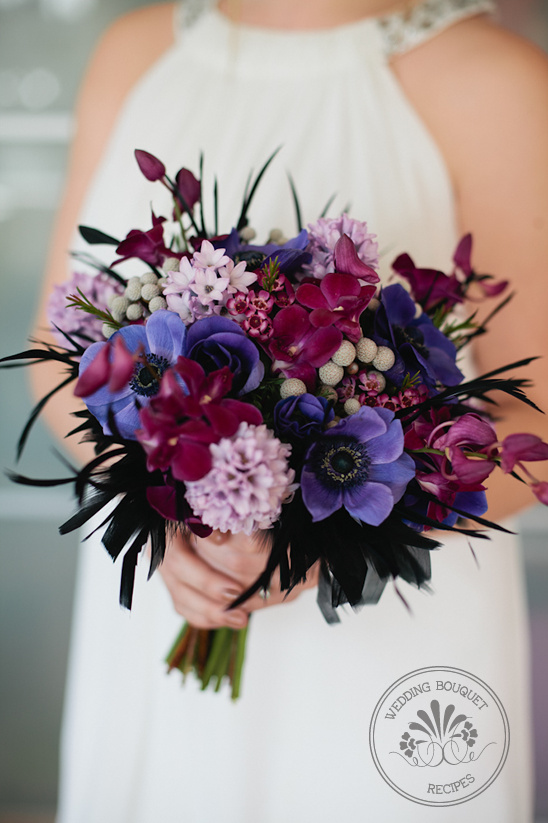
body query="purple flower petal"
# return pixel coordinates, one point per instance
(166, 333)
(366, 424)
(370, 503)
(522, 447)
(397, 475)
(320, 501)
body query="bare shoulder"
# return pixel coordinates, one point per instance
(478, 85)
(129, 47)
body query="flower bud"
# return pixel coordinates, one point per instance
(152, 168)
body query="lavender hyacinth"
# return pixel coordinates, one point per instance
(248, 482)
(323, 236)
(84, 327)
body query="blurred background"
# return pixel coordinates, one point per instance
(44, 47)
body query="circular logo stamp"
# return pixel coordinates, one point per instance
(439, 736)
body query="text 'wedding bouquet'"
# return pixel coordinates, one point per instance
(276, 390)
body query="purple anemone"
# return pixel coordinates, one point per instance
(359, 464)
(418, 345)
(160, 342)
(290, 256)
(215, 342)
(301, 416)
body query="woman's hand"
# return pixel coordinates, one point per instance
(205, 575)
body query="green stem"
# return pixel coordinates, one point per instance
(241, 635)
(216, 654)
(178, 641)
(219, 636)
(223, 663)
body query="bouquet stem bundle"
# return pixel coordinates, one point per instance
(212, 654)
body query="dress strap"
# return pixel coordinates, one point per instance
(403, 31)
(188, 11)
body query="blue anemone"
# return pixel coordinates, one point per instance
(161, 341)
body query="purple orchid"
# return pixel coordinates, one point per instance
(298, 348)
(540, 490)
(419, 346)
(215, 342)
(518, 448)
(155, 347)
(113, 365)
(347, 261)
(457, 482)
(470, 444)
(359, 464)
(447, 493)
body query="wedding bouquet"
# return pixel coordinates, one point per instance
(279, 391)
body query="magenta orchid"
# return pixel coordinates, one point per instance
(298, 348)
(337, 300)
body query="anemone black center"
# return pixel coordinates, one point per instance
(412, 335)
(340, 462)
(147, 375)
(343, 462)
(251, 258)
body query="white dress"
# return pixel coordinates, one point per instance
(139, 748)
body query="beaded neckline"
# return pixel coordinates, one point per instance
(399, 32)
(403, 31)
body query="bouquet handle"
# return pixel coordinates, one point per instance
(212, 654)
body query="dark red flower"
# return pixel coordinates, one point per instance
(179, 424)
(152, 168)
(147, 246)
(188, 190)
(429, 287)
(114, 365)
